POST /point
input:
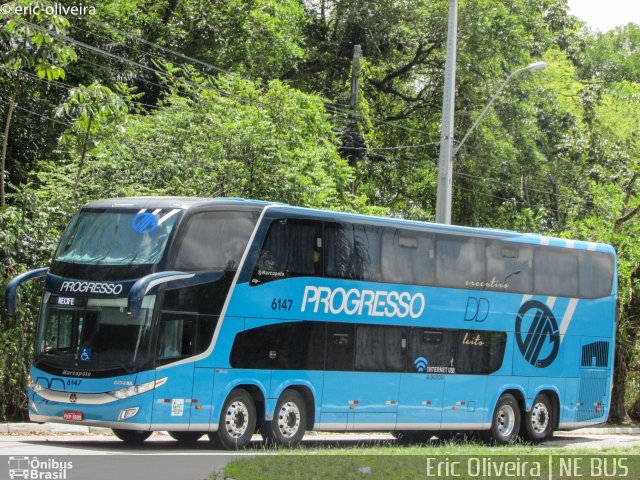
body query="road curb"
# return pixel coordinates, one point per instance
(26, 428)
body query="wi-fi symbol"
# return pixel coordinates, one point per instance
(421, 363)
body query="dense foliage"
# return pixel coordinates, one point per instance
(252, 98)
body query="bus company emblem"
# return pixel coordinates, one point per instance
(144, 223)
(541, 340)
(73, 398)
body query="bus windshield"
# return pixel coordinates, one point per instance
(93, 333)
(120, 237)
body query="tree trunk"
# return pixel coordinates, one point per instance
(83, 154)
(634, 411)
(5, 140)
(627, 338)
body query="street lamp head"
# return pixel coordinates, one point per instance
(536, 66)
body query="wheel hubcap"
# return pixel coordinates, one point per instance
(289, 419)
(539, 418)
(506, 420)
(237, 419)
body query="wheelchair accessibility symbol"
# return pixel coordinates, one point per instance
(85, 354)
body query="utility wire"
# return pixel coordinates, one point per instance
(15, 105)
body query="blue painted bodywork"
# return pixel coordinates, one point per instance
(196, 388)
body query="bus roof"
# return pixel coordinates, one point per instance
(170, 202)
(190, 202)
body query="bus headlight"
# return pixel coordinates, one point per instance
(35, 386)
(137, 389)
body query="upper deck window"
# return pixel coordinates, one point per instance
(117, 237)
(214, 240)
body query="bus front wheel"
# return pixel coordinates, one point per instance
(131, 436)
(237, 421)
(289, 422)
(538, 423)
(505, 423)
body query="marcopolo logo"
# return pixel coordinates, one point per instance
(537, 334)
(92, 287)
(144, 223)
(374, 303)
(33, 468)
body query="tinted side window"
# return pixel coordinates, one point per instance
(480, 352)
(380, 349)
(292, 248)
(596, 274)
(353, 251)
(340, 346)
(214, 241)
(509, 267)
(407, 257)
(283, 346)
(460, 261)
(431, 350)
(555, 272)
(176, 337)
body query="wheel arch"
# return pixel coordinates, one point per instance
(554, 397)
(307, 395)
(516, 390)
(257, 394)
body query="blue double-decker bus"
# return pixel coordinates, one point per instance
(230, 317)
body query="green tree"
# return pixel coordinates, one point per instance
(95, 111)
(27, 44)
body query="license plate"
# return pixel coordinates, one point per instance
(73, 416)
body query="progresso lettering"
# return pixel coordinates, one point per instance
(375, 303)
(92, 287)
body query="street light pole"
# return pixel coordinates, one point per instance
(529, 68)
(447, 152)
(445, 161)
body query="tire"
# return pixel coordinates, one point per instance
(289, 422)
(237, 421)
(131, 436)
(408, 437)
(186, 437)
(538, 423)
(505, 423)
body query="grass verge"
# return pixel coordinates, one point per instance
(464, 461)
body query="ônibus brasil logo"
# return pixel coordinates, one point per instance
(33, 468)
(536, 323)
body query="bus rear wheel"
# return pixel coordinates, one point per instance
(538, 423)
(289, 422)
(186, 437)
(505, 423)
(131, 436)
(237, 421)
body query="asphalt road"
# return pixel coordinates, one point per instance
(93, 455)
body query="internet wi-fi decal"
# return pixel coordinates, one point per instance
(421, 363)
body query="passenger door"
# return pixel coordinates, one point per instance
(176, 341)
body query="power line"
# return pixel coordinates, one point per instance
(336, 107)
(168, 50)
(15, 105)
(160, 73)
(533, 189)
(346, 111)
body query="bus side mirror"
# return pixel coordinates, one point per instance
(12, 287)
(172, 279)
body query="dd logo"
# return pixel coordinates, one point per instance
(536, 323)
